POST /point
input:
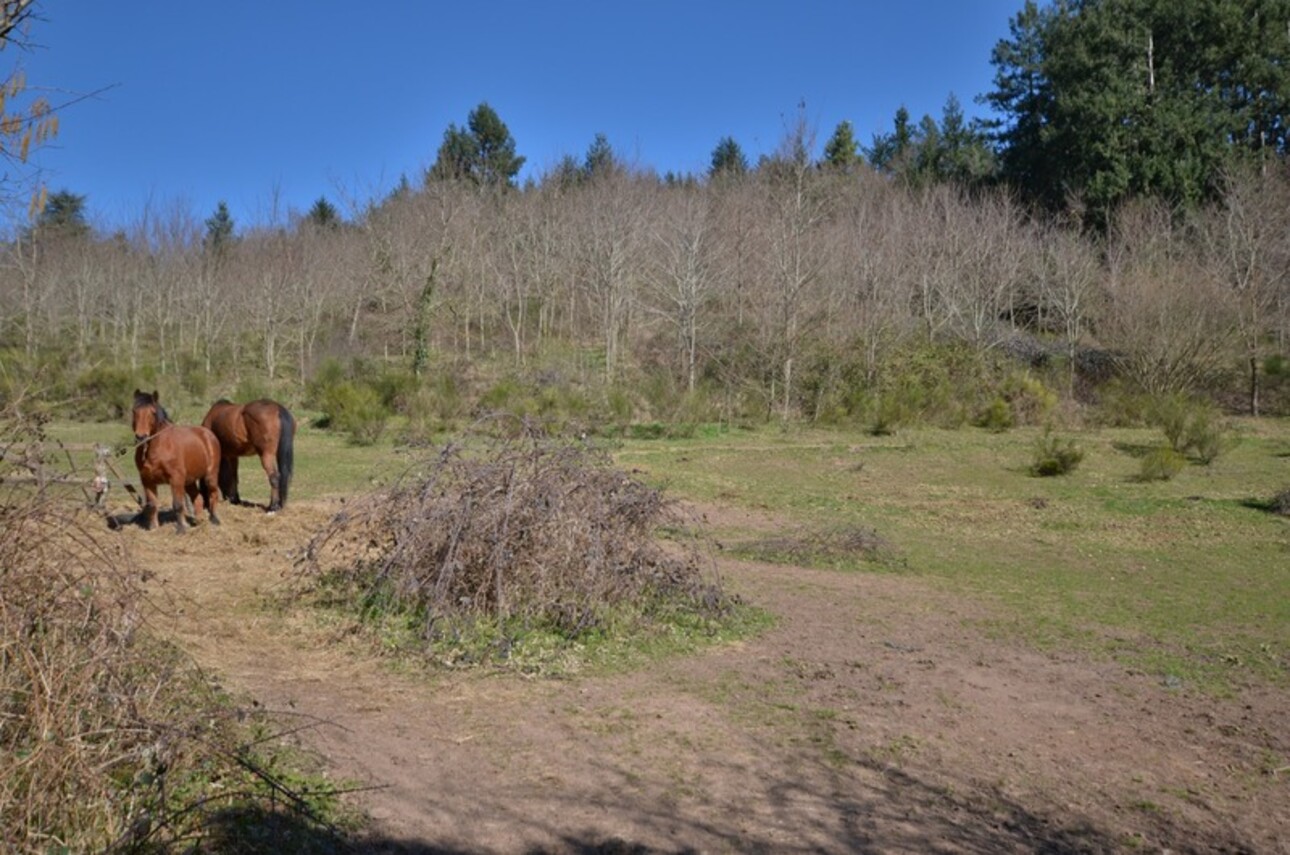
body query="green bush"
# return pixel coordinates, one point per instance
(1161, 464)
(1055, 456)
(1030, 400)
(103, 393)
(1191, 426)
(996, 417)
(356, 410)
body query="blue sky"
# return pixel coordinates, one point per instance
(287, 99)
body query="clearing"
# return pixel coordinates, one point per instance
(878, 715)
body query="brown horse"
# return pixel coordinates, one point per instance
(186, 458)
(262, 427)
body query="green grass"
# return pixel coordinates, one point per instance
(1185, 577)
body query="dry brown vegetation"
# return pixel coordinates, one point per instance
(110, 739)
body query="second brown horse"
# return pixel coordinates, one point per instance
(264, 428)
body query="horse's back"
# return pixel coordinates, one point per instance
(224, 419)
(263, 422)
(201, 451)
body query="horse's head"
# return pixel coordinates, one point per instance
(147, 416)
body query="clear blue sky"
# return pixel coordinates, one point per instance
(238, 98)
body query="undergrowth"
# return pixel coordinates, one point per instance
(110, 740)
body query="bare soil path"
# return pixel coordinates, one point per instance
(875, 717)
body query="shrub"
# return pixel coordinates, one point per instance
(1190, 426)
(104, 393)
(886, 413)
(520, 535)
(1281, 503)
(1161, 464)
(357, 411)
(1055, 456)
(1030, 400)
(996, 417)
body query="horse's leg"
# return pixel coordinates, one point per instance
(269, 460)
(195, 502)
(149, 505)
(228, 477)
(177, 493)
(211, 481)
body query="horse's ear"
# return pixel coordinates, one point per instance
(155, 396)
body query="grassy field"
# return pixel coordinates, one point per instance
(1187, 578)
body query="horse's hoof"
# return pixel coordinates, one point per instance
(215, 520)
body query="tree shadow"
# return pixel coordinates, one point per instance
(1136, 450)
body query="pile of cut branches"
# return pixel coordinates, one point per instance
(522, 532)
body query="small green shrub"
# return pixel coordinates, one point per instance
(886, 412)
(357, 411)
(1191, 427)
(1119, 405)
(252, 389)
(1161, 464)
(996, 417)
(1055, 456)
(1029, 398)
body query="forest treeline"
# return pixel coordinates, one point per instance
(1123, 228)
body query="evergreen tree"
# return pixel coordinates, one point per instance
(63, 216)
(842, 152)
(953, 149)
(889, 151)
(600, 159)
(219, 229)
(1120, 98)
(727, 159)
(323, 214)
(483, 152)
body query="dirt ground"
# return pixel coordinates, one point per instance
(875, 717)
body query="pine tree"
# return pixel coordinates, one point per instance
(323, 214)
(219, 229)
(483, 152)
(728, 159)
(600, 159)
(63, 216)
(842, 152)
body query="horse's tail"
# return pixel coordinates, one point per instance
(286, 451)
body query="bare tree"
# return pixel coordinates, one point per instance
(796, 208)
(1068, 282)
(683, 278)
(1247, 245)
(1164, 314)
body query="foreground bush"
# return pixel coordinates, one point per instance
(109, 739)
(1055, 456)
(515, 542)
(1191, 427)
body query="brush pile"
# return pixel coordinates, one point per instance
(521, 531)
